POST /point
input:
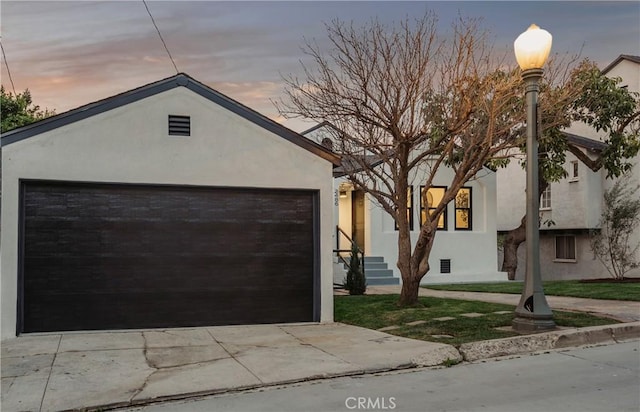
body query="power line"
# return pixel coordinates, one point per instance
(6, 63)
(160, 35)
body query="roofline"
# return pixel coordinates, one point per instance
(585, 142)
(341, 171)
(322, 124)
(181, 79)
(635, 59)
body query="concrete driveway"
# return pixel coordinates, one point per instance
(52, 372)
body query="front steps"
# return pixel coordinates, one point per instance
(376, 271)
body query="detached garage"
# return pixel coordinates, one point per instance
(167, 206)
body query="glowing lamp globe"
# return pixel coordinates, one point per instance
(532, 48)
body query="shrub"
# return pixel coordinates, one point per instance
(355, 281)
(614, 245)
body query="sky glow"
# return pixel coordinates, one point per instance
(76, 52)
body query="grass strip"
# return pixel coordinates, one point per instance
(379, 311)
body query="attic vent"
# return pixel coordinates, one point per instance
(179, 125)
(445, 265)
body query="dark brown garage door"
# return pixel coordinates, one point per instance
(97, 256)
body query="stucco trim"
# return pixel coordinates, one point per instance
(635, 59)
(179, 80)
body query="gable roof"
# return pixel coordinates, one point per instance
(585, 142)
(179, 80)
(635, 59)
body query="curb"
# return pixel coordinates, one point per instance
(139, 403)
(558, 339)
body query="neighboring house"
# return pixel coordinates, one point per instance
(169, 205)
(573, 204)
(465, 246)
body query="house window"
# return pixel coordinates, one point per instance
(463, 209)
(545, 199)
(429, 200)
(566, 248)
(409, 208)
(179, 125)
(573, 171)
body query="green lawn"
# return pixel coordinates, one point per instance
(378, 311)
(575, 288)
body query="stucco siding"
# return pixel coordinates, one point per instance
(130, 144)
(511, 195)
(586, 265)
(472, 252)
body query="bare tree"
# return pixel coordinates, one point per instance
(413, 99)
(409, 98)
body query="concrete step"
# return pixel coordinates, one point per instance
(378, 273)
(382, 281)
(375, 265)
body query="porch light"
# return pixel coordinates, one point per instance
(343, 194)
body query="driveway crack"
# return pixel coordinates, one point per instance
(53, 361)
(233, 357)
(314, 346)
(149, 364)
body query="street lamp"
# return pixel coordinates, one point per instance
(532, 313)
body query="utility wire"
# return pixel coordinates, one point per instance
(159, 35)
(6, 63)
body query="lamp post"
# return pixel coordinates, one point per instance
(532, 313)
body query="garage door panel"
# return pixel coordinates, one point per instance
(108, 256)
(114, 270)
(154, 309)
(131, 237)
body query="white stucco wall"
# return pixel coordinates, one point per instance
(511, 194)
(472, 253)
(130, 144)
(630, 74)
(574, 202)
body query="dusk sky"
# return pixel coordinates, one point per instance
(72, 53)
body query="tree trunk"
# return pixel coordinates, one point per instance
(512, 241)
(414, 267)
(410, 289)
(515, 237)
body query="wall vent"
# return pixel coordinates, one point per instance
(179, 125)
(445, 265)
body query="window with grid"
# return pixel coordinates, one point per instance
(463, 209)
(545, 199)
(429, 200)
(566, 248)
(409, 208)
